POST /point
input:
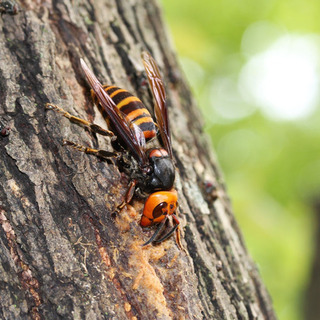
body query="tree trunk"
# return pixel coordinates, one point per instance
(64, 253)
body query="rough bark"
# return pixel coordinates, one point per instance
(64, 254)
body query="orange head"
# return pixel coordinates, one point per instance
(158, 205)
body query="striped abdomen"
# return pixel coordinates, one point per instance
(132, 107)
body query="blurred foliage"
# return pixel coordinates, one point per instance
(271, 164)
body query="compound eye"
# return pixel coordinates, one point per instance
(159, 210)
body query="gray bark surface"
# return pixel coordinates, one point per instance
(63, 253)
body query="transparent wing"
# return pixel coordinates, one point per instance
(139, 135)
(160, 109)
(132, 138)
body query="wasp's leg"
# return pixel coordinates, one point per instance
(157, 232)
(84, 123)
(129, 194)
(97, 152)
(174, 228)
(178, 237)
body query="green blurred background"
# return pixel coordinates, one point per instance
(254, 67)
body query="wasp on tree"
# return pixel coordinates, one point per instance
(152, 170)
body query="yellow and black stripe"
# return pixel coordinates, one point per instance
(132, 107)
